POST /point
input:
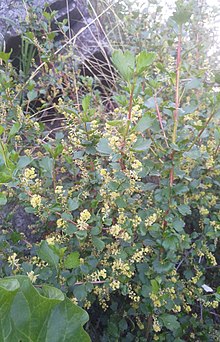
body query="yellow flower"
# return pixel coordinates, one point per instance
(85, 215)
(13, 262)
(32, 276)
(36, 201)
(29, 173)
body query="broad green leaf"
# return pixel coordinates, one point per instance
(144, 60)
(155, 286)
(73, 203)
(14, 129)
(144, 123)
(72, 260)
(5, 56)
(32, 94)
(170, 322)
(47, 164)
(183, 13)
(23, 162)
(47, 254)
(98, 243)
(141, 144)
(170, 243)
(195, 83)
(184, 209)
(124, 63)
(103, 147)
(30, 316)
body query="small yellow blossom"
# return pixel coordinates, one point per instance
(85, 215)
(35, 201)
(32, 276)
(13, 262)
(29, 173)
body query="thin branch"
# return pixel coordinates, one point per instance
(160, 121)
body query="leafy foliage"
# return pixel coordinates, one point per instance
(126, 202)
(28, 314)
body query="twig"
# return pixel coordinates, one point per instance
(160, 121)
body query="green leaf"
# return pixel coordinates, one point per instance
(170, 243)
(47, 164)
(144, 123)
(48, 255)
(29, 316)
(32, 94)
(23, 162)
(5, 56)
(170, 322)
(98, 243)
(72, 260)
(184, 209)
(194, 83)
(73, 203)
(86, 102)
(124, 63)
(183, 13)
(144, 60)
(14, 129)
(141, 144)
(3, 199)
(155, 286)
(103, 147)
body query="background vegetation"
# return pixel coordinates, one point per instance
(124, 202)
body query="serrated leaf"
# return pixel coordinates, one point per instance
(86, 102)
(5, 56)
(103, 147)
(144, 123)
(47, 254)
(141, 144)
(32, 95)
(98, 243)
(14, 129)
(124, 63)
(170, 322)
(184, 209)
(72, 260)
(143, 60)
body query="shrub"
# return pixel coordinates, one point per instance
(128, 202)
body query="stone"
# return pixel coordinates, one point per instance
(86, 36)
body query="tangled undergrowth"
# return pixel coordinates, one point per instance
(126, 204)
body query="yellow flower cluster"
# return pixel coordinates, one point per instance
(30, 173)
(150, 220)
(139, 255)
(36, 201)
(96, 276)
(120, 267)
(13, 261)
(115, 284)
(82, 221)
(132, 295)
(32, 276)
(156, 325)
(119, 233)
(61, 223)
(85, 215)
(103, 296)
